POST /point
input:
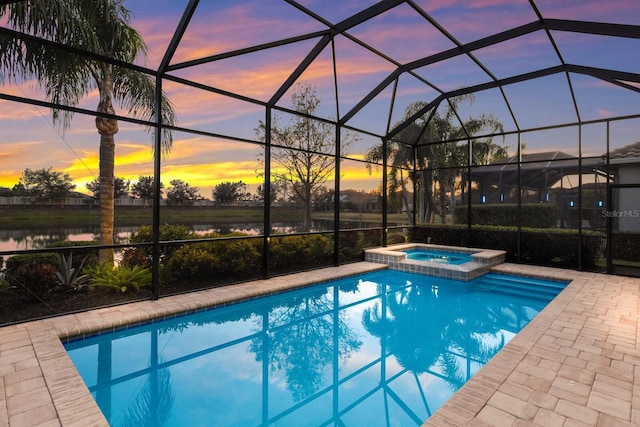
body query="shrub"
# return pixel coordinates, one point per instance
(136, 256)
(215, 259)
(121, 278)
(560, 248)
(396, 237)
(300, 251)
(353, 243)
(240, 257)
(142, 255)
(34, 273)
(167, 232)
(192, 262)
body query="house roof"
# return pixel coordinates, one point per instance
(631, 151)
(537, 170)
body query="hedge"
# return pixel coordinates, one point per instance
(550, 247)
(626, 246)
(535, 215)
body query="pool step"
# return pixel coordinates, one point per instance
(517, 285)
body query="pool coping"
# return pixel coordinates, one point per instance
(575, 362)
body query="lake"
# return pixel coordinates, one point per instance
(38, 238)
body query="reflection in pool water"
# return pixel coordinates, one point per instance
(384, 348)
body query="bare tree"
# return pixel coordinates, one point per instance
(302, 151)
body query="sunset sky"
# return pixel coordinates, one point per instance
(29, 139)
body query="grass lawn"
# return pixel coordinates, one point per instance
(44, 216)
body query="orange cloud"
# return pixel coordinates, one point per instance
(604, 112)
(261, 77)
(15, 157)
(206, 176)
(213, 173)
(201, 162)
(358, 178)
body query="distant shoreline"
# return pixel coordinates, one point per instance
(45, 216)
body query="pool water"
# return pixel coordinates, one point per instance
(455, 258)
(384, 348)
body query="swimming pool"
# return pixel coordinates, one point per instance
(444, 257)
(382, 348)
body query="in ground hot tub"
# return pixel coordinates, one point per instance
(438, 256)
(437, 260)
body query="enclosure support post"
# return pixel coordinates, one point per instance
(580, 197)
(157, 164)
(609, 207)
(519, 219)
(336, 202)
(385, 201)
(338, 155)
(469, 202)
(267, 193)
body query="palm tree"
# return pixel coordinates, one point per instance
(401, 158)
(438, 163)
(447, 159)
(100, 27)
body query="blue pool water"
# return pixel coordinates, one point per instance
(382, 349)
(443, 257)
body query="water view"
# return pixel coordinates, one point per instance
(38, 238)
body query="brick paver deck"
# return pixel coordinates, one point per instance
(576, 364)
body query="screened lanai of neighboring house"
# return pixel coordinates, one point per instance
(435, 107)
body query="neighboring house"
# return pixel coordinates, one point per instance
(541, 175)
(361, 201)
(624, 164)
(545, 177)
(352, 201)
(552, 176)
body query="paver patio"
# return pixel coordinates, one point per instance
(576, 364)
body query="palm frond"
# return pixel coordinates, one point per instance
(136, 92)
(34, 17)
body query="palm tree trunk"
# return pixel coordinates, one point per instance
(107, 127)
(107, 184)
(405, 198)
(423, 197)
(426, 192)
(443, 203)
